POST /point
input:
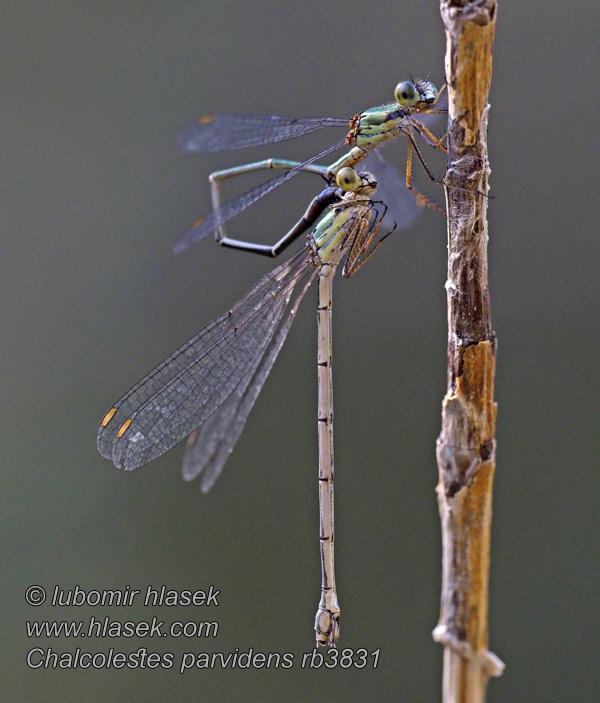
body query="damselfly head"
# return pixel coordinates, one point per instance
(350, 181)
(415, 94)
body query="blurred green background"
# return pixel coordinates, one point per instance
(94, 194)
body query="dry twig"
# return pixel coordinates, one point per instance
(466, 446)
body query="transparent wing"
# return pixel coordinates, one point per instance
(404, 208)
(187, 387)
(218, 132)
(209, 447)
(206, 225)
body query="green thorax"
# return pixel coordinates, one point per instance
(378, 125)
(330, 236)
(371, 129)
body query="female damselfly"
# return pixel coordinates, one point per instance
(206, 389)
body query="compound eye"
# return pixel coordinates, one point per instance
(406, 94)
(347, 179)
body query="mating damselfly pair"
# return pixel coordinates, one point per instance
(206, 389)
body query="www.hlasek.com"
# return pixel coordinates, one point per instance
(104, 626)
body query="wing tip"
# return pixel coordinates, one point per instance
(180, 246)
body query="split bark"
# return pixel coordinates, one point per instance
(466, 447)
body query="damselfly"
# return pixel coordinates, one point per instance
(206, 388)
(369, 130)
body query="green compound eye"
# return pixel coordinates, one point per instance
(347, 179)
(406, 94)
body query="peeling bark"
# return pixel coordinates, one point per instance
(466, 447)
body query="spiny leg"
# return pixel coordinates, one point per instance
(359, 252)
(413, 144)
(429, 137)
(414, 191)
